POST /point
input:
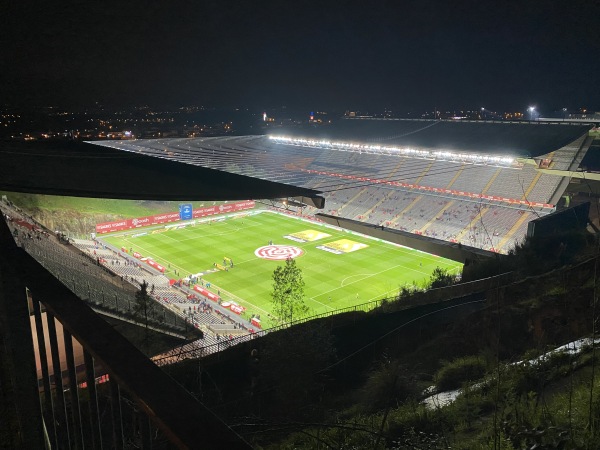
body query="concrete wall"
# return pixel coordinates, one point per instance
(456, 252)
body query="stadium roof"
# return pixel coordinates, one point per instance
(520, 139)
(281, 159)
(84, 170)
(249, 167)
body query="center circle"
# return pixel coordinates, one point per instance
(278, 252)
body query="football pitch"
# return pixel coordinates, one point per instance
(340, 268)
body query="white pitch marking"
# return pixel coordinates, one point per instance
(366, 275)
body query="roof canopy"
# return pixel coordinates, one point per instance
(523, 139)
(85, 170)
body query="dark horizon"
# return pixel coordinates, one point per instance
(332, 56)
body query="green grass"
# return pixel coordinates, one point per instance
(332, 281)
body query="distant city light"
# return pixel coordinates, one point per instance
(473, 158)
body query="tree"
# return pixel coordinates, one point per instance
(288, 292)
(440, 278)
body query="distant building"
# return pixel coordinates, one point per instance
(585, 116)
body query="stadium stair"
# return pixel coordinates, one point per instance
(478, 217)
(507, 237)
(405, 210)
(395, 169)
(416, 200)
(489, 184)
(438, 214)
(389, 178)
(418, 180)
(374, 207)
(448, 205)
(458, 174)
(352, 199)
(531, 186)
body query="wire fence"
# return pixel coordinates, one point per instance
(194, 350)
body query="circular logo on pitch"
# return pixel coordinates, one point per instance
(278, 252)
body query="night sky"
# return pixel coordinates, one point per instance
(404, 55)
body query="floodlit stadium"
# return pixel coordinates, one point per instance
(474, 183)
(364, 206)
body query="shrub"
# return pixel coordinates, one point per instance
(387, 385)
(452, 375)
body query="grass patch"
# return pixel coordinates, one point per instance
(454, 374)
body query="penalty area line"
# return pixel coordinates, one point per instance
(321, 303)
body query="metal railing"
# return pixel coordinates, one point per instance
(193, 350)
(420, 298)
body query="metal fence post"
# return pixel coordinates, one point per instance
(47, 403)
(116, 414)
(77, 430)
(62, 428)
(94, 413)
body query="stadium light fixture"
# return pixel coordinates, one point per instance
(445, 155)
